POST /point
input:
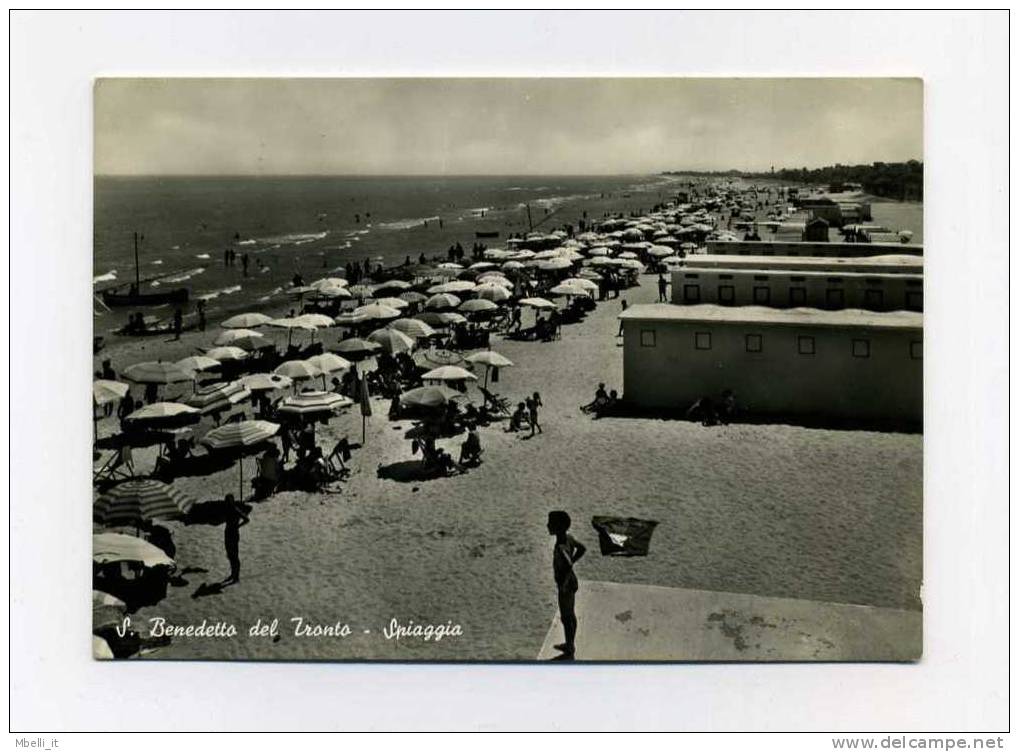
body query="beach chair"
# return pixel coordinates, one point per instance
(118, 466)
(495, 403)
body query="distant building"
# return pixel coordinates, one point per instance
(815, 231)
(886, 264)
(784, 288)
(798, 363)
(773, 248)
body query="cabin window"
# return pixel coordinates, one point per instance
(916, 350)
(797, 296)
(691, 293)
(835, 299)
(835, 280)
(762, 295)
(726, 294)
(914, 300)
(725, 276)
(805, 345)
(702, 340)
(647, 337)
(873, 299)
(760, 278)
(755, 343)
(688, 275)
(861, 348)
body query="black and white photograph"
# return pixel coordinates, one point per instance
(508, 369)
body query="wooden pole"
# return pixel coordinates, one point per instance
(137, 273)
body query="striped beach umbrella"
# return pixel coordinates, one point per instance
(239, 436)
(449, 373)
(265, 382)
(134, 501)
(437, 356)
(249, 339)
(356, 348)
(493, 292)
(442, 301)
(330, 363)
(441, 318)
(308, 404)
(412, 327)
(158, 372)
(377, 311)
(112, 547)
(393, 284)
(397, 303)
(412, 297)
(316, 320)
(477, 305)
(216, 397)
(163, 415)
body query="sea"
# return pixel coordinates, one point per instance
(313, 226)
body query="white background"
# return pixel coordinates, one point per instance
(961, 684)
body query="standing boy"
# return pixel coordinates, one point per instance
(565, 554)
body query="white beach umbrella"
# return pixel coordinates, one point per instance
(392, 340)
(246, 338)
(539, 303)
(227, 353)
(412, 327)
(442, 301)
(246, 321)
(199, 363)
(448, 373)
(377, 311)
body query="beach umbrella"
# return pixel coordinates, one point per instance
(396, 303)
(350, 319)
(494, 278)
(569, 290)
(101, 649)
(198, 363)
(412, 297)
(429, 396)
(355, 348)
(313, 403)
(393, 341)
(477, 305)
(112, 547)
(158, 372)
(246, 338)
(325, 282)
(589, 274)
(555, 264)
(393, 284)
(329, 363)
(492, 292)
(627, 255)
(448, 270)
(435, 357)
(216, 397)
(457, 285)
(105, 391)
(412, 328)
(660, 251)
(223, 354)
(245, 321)
(134, 501)
(362, 291)
(297, 369)
(449, 373)
(442, 301)
(489, 359)
(315, 320)
(512, 264)
(264, 382)
(441, 318)
(538, 303)
(163, 415)
(290, 324)
(101, 599)
(584, 284)
(377, 311)
(599, 251)
(332, 293)
(481, 265)
(239, 436)
(451, 265)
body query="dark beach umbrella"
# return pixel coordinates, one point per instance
(133, 501)
(218, 397)
(355, 348)
(157, 372)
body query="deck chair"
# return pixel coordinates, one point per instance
(498, 405)
(118, 466)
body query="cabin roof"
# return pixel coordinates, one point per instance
(707, 313)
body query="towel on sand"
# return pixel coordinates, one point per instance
(623, 536)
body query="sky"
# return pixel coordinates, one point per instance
(462, 126)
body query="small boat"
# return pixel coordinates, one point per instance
(134, 298)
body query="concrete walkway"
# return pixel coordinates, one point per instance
(623, 622)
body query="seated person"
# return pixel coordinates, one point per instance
(608, 405)
(704, 411)
(727, 410)
(519, 419)
(270, 470)
(470, 450)
(600, 398)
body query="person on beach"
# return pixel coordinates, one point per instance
(236, 518)
(600, 398)
(244, 263)
(200, 306)
(663, 287)
(565, 554)
(178, 323)
(620, 332)
(518, 418)
(533, 403)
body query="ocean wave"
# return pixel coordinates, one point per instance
(184, 275)
(217, 293)
(202, 256)
(110, 276)
(406, 224)
(157, 262)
